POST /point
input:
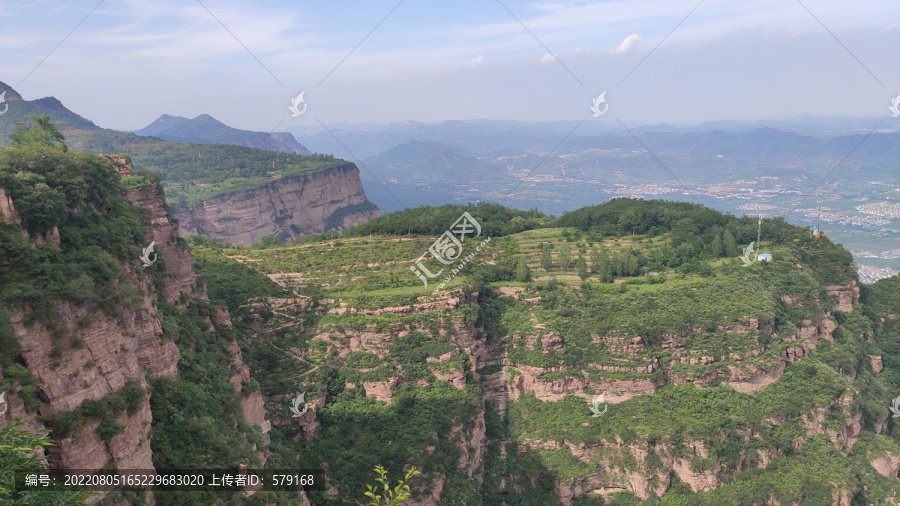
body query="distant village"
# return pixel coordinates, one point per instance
(869, 274)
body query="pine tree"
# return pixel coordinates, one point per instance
(603, 267)
(595, 261)
(631, 264)
(581, 265)
(618, 264)
(523, 272)
(546, 258)
(729, 244)
(565, 257)
(718, 248)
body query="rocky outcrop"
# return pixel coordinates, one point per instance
(8, 214)
(886, 465)
(528, 380)
(699, 481)
(129, 449)
(99, 358)
(292, 206)
(752, 381)
(877, 364)
(164, 232)
(382, 390)
(846, 295)
(252, 403)
(845, 436)
(611, 475)
(87, 355)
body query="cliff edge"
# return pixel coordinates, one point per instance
(289, 207)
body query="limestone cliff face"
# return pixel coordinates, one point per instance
(291, 207)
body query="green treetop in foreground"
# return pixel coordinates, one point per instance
(391, 497)
(21, 452)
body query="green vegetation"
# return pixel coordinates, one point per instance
(128, 399)
(78, 195)
(229, 282)
(671, 286)
(54, 189)
(495, 220)
(392, 497)
(20, 452)
(754, 380)
(193, 172)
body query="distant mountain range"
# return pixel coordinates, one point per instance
(19, 109)
(431, 161)
(202, 161)
(484, 136)
(556, 168)
(205, 129)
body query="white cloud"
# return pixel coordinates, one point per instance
(478, 60)
(548, 58)
(627, 44)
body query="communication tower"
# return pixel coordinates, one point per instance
(759, 233)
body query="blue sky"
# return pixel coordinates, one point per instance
(130, 61)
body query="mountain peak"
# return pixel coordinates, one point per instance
(11, 94)
(209, 120)
(204, 129)
(162, 125)
(169, 117)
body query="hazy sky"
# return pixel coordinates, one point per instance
(130, 61)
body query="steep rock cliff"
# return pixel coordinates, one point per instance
(163, 231)
(290, 207)
(341, 340)
(88, 355)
